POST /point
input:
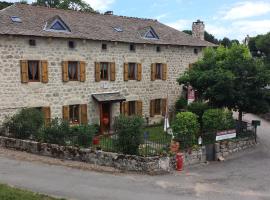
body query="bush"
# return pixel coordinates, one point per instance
(129, 131)
(25, 124)
(217, 119)
(83, 134)
(198, 108)
(180, 104)
(186, 128)
(55, 132)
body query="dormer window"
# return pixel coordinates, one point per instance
(57, 24)
(148, 33)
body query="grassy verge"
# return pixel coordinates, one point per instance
(10, 193)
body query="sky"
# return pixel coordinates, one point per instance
(223, 18)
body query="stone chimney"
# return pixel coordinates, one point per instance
(198, 29)
(109, 12)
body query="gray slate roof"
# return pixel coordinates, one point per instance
(91, 26)
(108, 97)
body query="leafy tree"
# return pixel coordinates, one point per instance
(210, 38)
(230, 77)
(4, 4)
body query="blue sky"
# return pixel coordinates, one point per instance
(231, 18)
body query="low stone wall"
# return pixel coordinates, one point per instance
(226, 148)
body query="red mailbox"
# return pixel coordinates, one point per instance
(179, 161)
(96, 140)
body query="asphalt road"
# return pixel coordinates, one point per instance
(245, 176)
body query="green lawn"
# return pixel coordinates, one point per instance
(10, 193)
(157, 134)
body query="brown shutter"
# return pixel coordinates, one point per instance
(139, 71)
(164, 71)
(47, 115)
(125, 71)
(24, 71)
(125, 108)
(152, 108)
(66, 113)
(44, 71)
(153, 71)
(112, 71)
(83, 109)
(164, 106)
(65, 71)
(82, 71)
(97, 71)
(139, 108)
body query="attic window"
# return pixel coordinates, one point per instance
(118, 29)
(151, 34)
(57, 25)
(16, 19)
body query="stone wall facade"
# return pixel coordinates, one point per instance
(56, 93)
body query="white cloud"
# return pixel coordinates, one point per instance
(101, 5)
(162, 16)
(181, 24)
(246, 9)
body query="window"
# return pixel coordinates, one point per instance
(71, 44)
(33, 71)
(131, 108)
(73, 68)
(151, 34)
(32, 42)
(132, 47)
(56, 24)
(74, 114)
(104, 71)
(158, 71)
(158, 49)
(16, 19)
(118, 29)
(132, 71)
(157, 106)
(195, 51)
(104, 46)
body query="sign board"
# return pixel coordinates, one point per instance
(191, 95)
(223, 135)
(105, 85)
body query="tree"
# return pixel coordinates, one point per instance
(230, 77)
(4, 4)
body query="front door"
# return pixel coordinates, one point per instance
(105, 118)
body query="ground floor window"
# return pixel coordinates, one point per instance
(157, 106)
(131, 108)
(74, 114)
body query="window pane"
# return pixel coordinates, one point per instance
(58, 26)
(104, 71)
(73, 70)
(157, 106)
(131, 108)
(158, 70)
(74, 113)
(33, 70)
(132, 71)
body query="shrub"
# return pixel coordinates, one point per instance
(186, 128)
(83, 134)
(55, 132)
(217, 119)
(180, 104)
(129, 131)
(25, 124)
(198, 108)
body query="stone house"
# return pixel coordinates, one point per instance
(88, 67)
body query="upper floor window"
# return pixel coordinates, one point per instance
(71, 44)
(158, 71)
(132, 47)
(104, 46)
(73, 71)
(132, 68)
(104, 70)
(132, 71)
(158, 74)
(158, 49)
(34, 71)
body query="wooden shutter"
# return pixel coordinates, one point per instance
(24, 71)
(82, 71)
(97, 71)
(66, 113)
(152, 108)
(83, 112)
(139, 71)
(112, 71)
(163, 106)
(125, 71)
(44, 71)
(65, 71)
(153, 71)
(139, 108)
(47, 115)
(125, 108)
(164, 71)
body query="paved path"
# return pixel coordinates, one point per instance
(245, 176)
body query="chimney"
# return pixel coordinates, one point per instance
(198, 29)
(110, 12)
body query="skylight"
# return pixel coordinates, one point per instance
(58, 26)
(16, 19)
(118, 29)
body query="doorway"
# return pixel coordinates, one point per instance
(105, 118)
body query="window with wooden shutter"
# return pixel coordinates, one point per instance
(125, 71)
(47, 114)
(24, 71)
(82, 71)
(97, 71)
(44, 71)
(153, 71)
(125, 108)
(139, 72)
(65, 71)
(152, 108)
(112, 71)
(164, 71)
(164, 106)
(139, 108)
(83, 113)
(66, 113)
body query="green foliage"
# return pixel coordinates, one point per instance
(230, 77)
(180, 104)
(129, 131)
(186, 127)
(198, 108)
(55, 132)
(83, 134)
(25, 124)
(217, 119)
(4, 4)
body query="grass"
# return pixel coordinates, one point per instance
(10, 193)
(157, 134)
